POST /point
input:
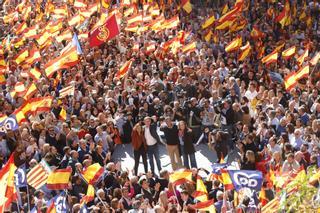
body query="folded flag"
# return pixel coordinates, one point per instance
(246, 179)
(59, 179)
(8, 124)
(104, 33)
(180, 176)
(93, 173)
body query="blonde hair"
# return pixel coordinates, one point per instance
(250, 156)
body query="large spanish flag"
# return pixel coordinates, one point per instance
(209, 22)
(59, 179)
(206, 206)
(93, 173)
(186, 5)
(288, 53)
(272, 57)
(234, 44)
(124, 69)
(104, 33)
(68, 59)
(181, 176)
(245, 51)
(302, 57)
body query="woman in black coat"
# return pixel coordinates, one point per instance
(186, 145)
(220, 145)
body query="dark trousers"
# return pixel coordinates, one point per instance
(153, 152)
(188, 159)
(141, 152)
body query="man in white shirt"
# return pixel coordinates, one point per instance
(152, 139)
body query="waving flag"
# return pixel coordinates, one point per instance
(302, 57)
(124, 69)
(272, 57)
(37, 176)
(246, 179)
(89, 196)
(201, 193)
(234, 44)
(226, 179)
(59, 179)
(7, 192)
(21, 56)
(186, 5)
(315, 59)
(93, 173)
(205, 206)
(245, 51)
(104, 33)
(209, 22)
(32, 89)
(180, 176)
(256, 33)
(288, 53)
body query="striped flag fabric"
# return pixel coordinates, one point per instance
(59, 179)
(63, 114)
(302, 57)
(180, 176)
(234, 44)
(207, 206)
(38, 175)
(124, 69)
(32, 89)
(268, 59)
(186, 5)
(201, 193)
(313, 61)
(245, 51)
(190, 47)
(93, 173)
(21, 56)
(226, 179)
(35, 73)
(67, 91)
(288, 53)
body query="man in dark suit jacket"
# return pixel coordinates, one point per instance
(126, 200)
(127, 128)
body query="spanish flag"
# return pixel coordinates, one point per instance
(208, 36)
(190, 47)
(271, 206)
(302, 57)
(104, 33)
(284, 15)
(315, 59)
(232, 13)
(302, 72)
(31, 32)
(256, 33)
(63, 114)
(22, 112)
(288, 53)
(2, 78)
(245, 51)
(180, 176)
(39, 105)
(209, 22)
(272, 57)
(224, 25)
(289, 82)
(263, 197)
(21, 56)
(170, 23)
(21, 28)
(207, 206)
(225, 9)
(186, 5)
(3, 63)
(75, 20)
(89, 196)
(234, 44)
(93, 173)
(64, 61)
(124, 69)
(201, 193)
(279, 47)
(35, 73)
(34, 56)
(32, 89)
(59, 179)
(19, 89)
(226, 180)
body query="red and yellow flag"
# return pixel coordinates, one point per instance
(59, 179)
(226, 180)
(32, 89)
(34, 56)
(2, 78)
(124, 69)
(209, 22)
(21, 56)
(256, 33)
(8, 193)
(208, 36)
(262, 197)
(186, 5)
(245, 51)
(201, 193)
(190, 47)
(63, 114)
(302, 57)
(271, 206)
(272, 57)
(288, 53)
(180, 176)
(284, 15)
(89, 196)
(104, 33)
(315, 59)
(292, 79)
(234, 44)
(205, 206)
(42, 104)
(225, 9)
(93, 173)
(35, 73)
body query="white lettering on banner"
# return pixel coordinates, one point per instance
(244, 179)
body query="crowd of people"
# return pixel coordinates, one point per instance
(177, 100)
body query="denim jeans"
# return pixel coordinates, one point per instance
(186, 157)
(153, 151)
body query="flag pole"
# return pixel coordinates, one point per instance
(18, 203)
(28, 199)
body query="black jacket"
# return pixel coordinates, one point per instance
(188, 139)
(127, 130)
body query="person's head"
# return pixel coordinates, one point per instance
(298, 156)
(184, 195)
(297, 133)
(250, 156)
(125, 192)
(182, 125)
(147, 121)
(216, 184)
(144, 183)
(290, 157)
(276, 156)
(164, 174)
(219, 195)
(168, 121)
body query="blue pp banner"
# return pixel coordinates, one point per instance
(246, 179)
